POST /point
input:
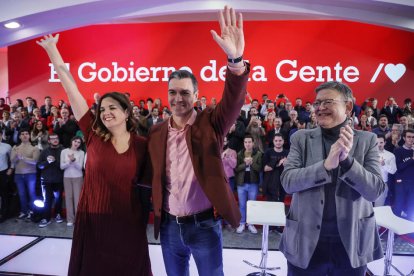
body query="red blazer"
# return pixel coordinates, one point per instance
(205, 143)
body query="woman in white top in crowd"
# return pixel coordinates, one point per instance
(39, 135)
(71, 161)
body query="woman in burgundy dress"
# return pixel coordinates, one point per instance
(110, 234)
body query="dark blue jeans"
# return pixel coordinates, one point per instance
(329, 258)
(4, 195)
(202, 239)
(247, 191)
(404, 199)
(26, 187)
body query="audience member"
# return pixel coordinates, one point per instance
(273, 160)
(5, 171)
(388, 167)
(395, 140)
(154, 118)
(51, 178)
(66, 128)
(364, 124)
(277, 129)
(404, 178)
(229, 158)
(284, 113)
(16, 124)
(36, 117)
(23, 160)
(39, 136)
(71, 162)
(392, 111)
(255, 129)
(407, 109)
(45, 109)
(3, 106)
(236, 134)
(313, 123)
(382, 127)
(248, 168)
(372, 121)
(30, 105)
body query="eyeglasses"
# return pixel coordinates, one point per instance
(327, 103)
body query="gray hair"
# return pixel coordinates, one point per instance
(342, 88)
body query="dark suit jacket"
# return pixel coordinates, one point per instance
(150, 123)
(392, 116)
(205, 143)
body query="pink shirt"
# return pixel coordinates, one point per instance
(184, 195)
(229, 157)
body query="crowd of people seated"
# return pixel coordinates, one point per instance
(42, 155)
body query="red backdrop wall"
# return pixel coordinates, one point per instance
(290, 57)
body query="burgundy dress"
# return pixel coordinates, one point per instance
(109, 236)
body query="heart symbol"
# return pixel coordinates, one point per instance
(395, 72)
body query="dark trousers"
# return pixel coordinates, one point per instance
(52, 191)
(4, 195)
(404, 198)
(329, 258)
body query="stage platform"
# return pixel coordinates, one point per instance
(26, 249)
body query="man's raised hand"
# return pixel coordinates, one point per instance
(231, 39)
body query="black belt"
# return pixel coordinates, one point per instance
(204, 215)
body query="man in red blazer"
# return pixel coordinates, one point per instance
(188, 176)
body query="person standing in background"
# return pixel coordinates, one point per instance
(71, 162)
(387, 165)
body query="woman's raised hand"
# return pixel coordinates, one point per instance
(48, 41)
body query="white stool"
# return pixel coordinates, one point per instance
(267, 214)
(386, 218)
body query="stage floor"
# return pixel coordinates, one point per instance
(25, 255)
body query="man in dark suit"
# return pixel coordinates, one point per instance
(188, 176)
(12, 131)
(392, 111)
(334, 175)
(154, 118)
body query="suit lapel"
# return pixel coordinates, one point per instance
(163, 137)
(316, 146)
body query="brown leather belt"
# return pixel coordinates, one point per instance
(204, 215)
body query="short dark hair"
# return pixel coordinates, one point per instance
(48, 97)
(342, 88)
(248, 135)
(184, 74)
(407, 101)
(150, 100)
(279, 135)
(382, 116)
(379, 135)
(24, 129)
(410, 130)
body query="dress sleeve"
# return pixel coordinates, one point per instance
(85, 124)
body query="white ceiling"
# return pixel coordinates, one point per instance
(48, 16)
